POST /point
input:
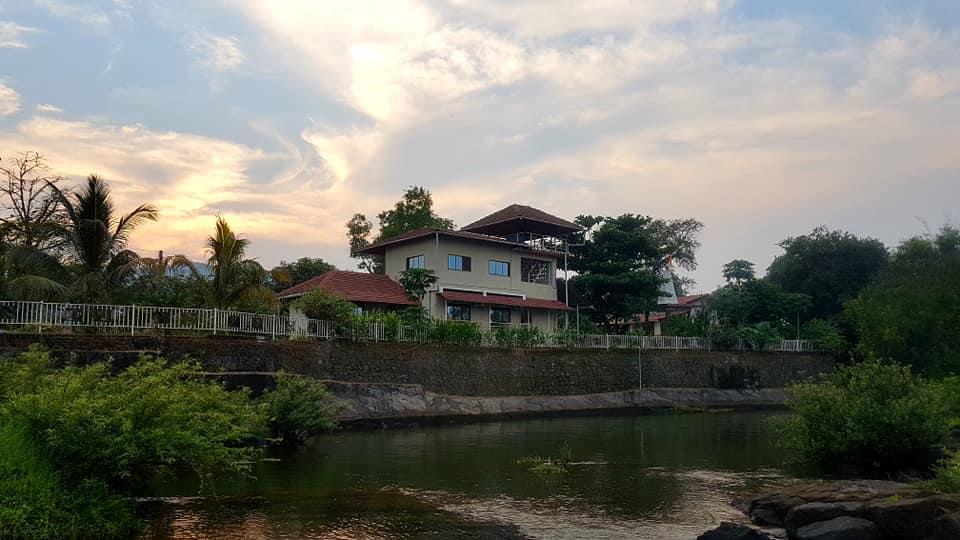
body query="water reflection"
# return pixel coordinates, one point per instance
(663, 476)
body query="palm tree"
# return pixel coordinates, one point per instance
(234, 277)
(96, 259)
(164, 266)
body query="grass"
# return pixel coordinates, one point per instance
(549, 465)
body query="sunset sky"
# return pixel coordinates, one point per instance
(761, 118)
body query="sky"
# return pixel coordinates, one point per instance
(762, 119)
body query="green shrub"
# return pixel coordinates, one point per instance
(873, 415)
(299, 408)
(948, 474)
(825, 336)
(460, 333)
(35, 504)
(686, 326)
(518, 336)
(760, 337)
(319, 304)
(77, 442)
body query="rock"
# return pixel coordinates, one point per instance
(840, 528)
(946, 527)
(772, 509)
(733, 531)
(910, 519)
(808, 513)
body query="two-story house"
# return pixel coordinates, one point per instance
(499, 270)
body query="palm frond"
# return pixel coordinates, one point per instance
(126, 224)
(35, 288)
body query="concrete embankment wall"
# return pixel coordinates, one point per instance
(409, 382)
(456, 371)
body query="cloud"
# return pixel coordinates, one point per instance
(217, 53)
(12, 35)
(9, 100)
(99, 17)
(46, 107)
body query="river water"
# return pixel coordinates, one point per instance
(653, 476)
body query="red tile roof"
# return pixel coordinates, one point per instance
(355, 287)
(503, 300)
(691, 299)
(520, 211)
(379, 247)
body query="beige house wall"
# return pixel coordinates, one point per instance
(435, 250)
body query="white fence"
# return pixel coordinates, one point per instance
(42, 317)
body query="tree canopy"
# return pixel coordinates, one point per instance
(413, 211)
(620, 262)
(288, 274)
(831, 267)
(738, 270)
(910, 313)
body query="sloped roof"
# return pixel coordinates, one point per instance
(380, 247)
(503, 300)
(355, 287)
(518, 212)
(691, 299)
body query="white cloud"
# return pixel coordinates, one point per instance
(99, 17)
(218, 53)
(9, 100)
(47, 107)
(12, 35)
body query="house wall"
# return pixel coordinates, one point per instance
(479, 277)
(435, 251)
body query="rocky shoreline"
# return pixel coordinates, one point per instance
(847, 510)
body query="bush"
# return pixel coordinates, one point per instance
(518, 336)
(825, 336)
(298, 408)
(872, 415)
(686, 326)
(76, 442)
(948, 474)
(760, 337)
(35, 504)
(460, 333)
(319, 304)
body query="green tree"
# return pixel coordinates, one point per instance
(874, 415)
(910, 313)
(236, 280)
(831, 267)
(413, 211)
(96, 260)
(621, 259)
(298, 408)
(286, 275)
(738, 271)
(755, 302)
(416, 282)
(324, 306)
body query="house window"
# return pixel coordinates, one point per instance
(524, 316)
(458, 312)
(458, 263)
(417, 261)
(499, 315)
(535, 271)
(499, 268)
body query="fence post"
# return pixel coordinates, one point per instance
(40, 326)
(133, 318)
(216, 321)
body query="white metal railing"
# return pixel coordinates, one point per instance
(43, 317)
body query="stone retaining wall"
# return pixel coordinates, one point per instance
(452, 370)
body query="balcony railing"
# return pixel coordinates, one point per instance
(61, 318)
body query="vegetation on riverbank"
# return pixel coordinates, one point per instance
(76, 443)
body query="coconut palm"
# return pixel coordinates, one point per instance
(235, 278)
(96, 259)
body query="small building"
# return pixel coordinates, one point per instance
(370, 292)
(500, 270)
